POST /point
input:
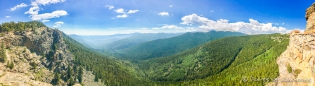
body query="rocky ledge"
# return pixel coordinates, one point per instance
(297, 63)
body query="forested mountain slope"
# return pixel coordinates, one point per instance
(109, 70)
(229, 58)
(170, 46)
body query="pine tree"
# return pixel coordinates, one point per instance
(2, 53)
(96, 78)
(56, 79)
(69, 73)
(80, 74)
(71, 82)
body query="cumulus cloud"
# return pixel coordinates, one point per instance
(124, 13)
(7, 16)
(120, 10)
(193, 19)
(58, 24)
(164, 13)
(46, 2)
(122, 16)
(18, 6)
(253, 27)
(46, 16)
(33, 11)
(132, 11)
(110, 7)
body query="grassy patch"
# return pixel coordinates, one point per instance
(289, 68)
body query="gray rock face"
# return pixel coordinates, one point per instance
(46, 42)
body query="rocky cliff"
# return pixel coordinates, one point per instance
(36, 55)
(45, 42)
(297, 63)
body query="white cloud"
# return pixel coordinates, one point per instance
(144, 28)
(171, 27)
(164, 13)
(120, 10)
(170, 5)
(7, 16)
(45, 20)
(46, 16)
(58, 24)
(122, 16)
(45, 2)
(110, 7)
(33, 11)
(194, 18)
(253, 27)
(132, 11)
(18, 6)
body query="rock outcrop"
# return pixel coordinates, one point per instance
(45, 42)
(310, 18)
(297, 63)
(42, 47)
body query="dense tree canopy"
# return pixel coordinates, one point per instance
(19, 26)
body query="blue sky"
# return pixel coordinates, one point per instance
(105, 17)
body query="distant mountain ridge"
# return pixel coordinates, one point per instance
(170, 46)
(119, 41)
(136, 39)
